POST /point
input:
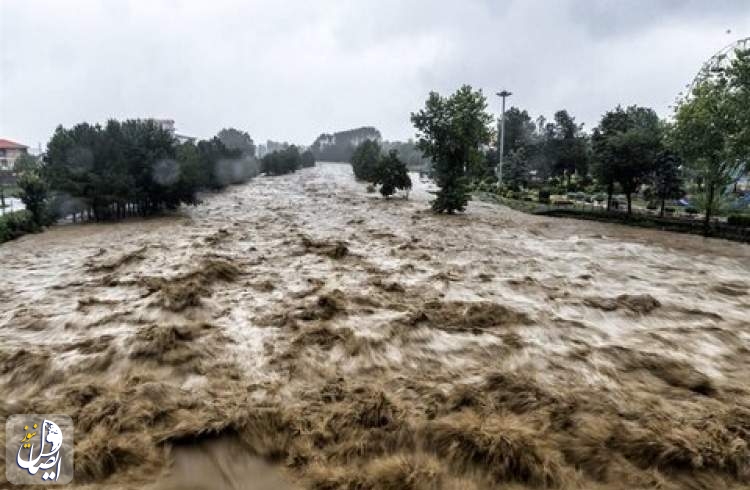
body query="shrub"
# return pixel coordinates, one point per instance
(34, 195)
(16, 224)
(391, 174)
(651, 206)
(365, 160)
(307, 159)
(742, 220)
(544, 196)
(282, 162)
(691, 210)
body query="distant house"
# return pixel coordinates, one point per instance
(168, 125)
(10, 151)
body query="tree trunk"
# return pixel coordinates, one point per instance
(709, 208)
(661, 211)
(610, 191)
(630, 203)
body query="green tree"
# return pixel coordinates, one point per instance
(26, 163)
(308, 159)
(34, 192)
(365, 160)
(666, 178)
(234, 139)
(626, 144)
(568, 146)
(516, 170)
(519, 130)
(711, 130)
(451, 131)
(282, 162)
(391, 174)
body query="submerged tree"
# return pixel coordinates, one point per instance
(365, 160)
(234, 139)
(307, 159)
(391, 174)
(451, 131)
(282, 162)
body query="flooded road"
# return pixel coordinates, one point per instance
(298, 332)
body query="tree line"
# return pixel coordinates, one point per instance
(286, 161)
(631, 149)
(134, 167)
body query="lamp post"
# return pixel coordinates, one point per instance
(503, 96)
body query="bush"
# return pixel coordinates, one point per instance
(16, 224)
(691, 210)
(365, 160)
(34, 195)
(281, 162)
(391, 174)
(544, 196)
(742, 220)
(651, 206)
(307, 159)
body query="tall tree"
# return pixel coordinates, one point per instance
(365, 160)
(568, 146)
(519, 130)
(451, 131)
(711, 129)
(626, 144)
(234, 139)
(666, 178)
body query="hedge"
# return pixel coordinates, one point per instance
(16, 224)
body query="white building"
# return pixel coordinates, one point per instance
(10, 151)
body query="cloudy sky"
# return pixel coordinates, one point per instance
(289, 70)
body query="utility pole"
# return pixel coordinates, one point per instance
(503, 96)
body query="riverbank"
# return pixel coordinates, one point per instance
(717, 229)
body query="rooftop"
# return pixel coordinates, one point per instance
(11, 145)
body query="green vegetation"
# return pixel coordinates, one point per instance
(134, 167)
(626, 144)
(34, 192)
(282, 162)
(667, 181)
(711, 130)
(365, 160)
(374, 167)
(16, 224)
(391, 174)
(234, 139)
(451, 131)
(739, 220)
(307, 159)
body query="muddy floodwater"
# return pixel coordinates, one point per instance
(297, 332)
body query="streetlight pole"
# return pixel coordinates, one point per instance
(503, 96)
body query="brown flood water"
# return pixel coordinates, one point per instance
(296, 332)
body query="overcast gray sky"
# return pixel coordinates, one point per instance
(289, 70)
